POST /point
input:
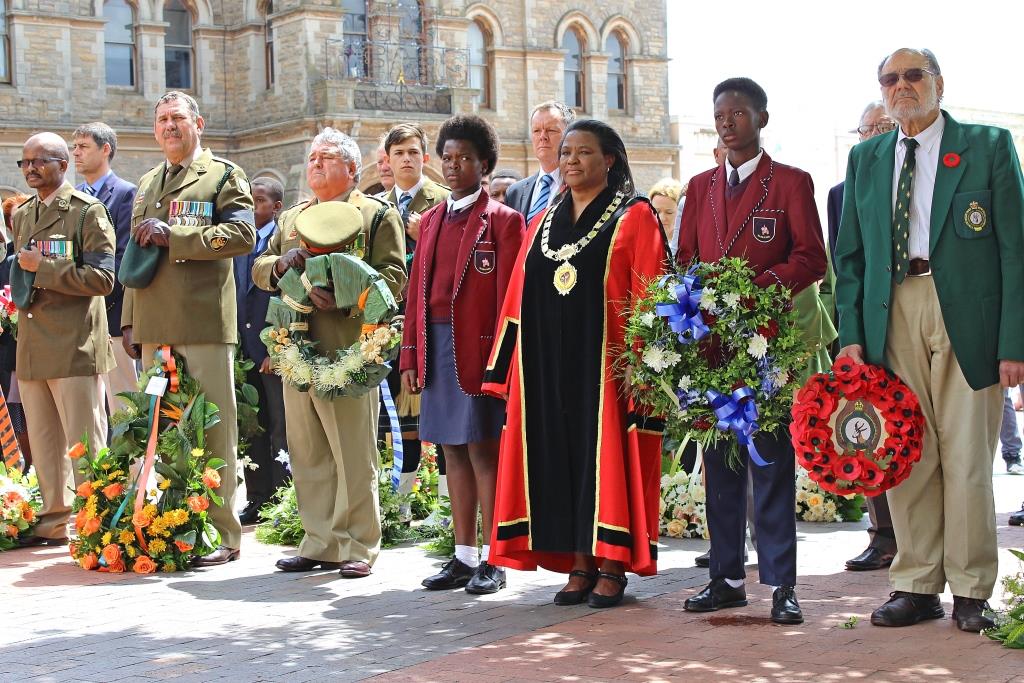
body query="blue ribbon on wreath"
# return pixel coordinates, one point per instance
(684, 316)
(737, 413)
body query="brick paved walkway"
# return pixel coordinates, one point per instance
(247, 622)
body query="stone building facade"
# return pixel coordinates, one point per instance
(268, 74)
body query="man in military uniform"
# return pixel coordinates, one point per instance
(333, 442)
(65, 248)
(199, 209)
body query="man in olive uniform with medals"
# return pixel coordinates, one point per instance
(64, 268)
(198, 210)
(332, 442)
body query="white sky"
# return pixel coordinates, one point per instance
(817, 60)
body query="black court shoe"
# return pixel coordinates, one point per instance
(564, 598)
(599, 601)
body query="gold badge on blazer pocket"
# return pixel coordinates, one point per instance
(971, 212)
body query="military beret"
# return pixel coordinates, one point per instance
(138, 265)
(329, 226)
(22, 282)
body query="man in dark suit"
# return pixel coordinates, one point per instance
(93, 148)
(882, 539)
(260, 483)
(532, 195)
(928, 282)
(758, 209)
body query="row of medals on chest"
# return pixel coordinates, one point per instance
(565, 274)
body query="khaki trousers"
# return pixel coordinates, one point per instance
(59, 412)
(213, 365)
(944, 513)
(124, 377)
(333, 449)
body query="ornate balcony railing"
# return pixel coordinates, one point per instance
(396, 64)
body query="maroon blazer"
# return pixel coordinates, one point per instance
(486, 257)
(774, 225)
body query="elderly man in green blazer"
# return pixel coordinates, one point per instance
(929, 277)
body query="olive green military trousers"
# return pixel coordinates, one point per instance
(335, 465)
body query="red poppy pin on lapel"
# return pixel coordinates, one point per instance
(951, 160)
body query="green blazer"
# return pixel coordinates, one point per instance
(977, 260)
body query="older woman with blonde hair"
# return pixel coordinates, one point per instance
(665, 195)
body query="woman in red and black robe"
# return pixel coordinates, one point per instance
(579, 471)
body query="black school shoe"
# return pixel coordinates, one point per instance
(785, 608)
(716, 595)
(906, 609)
(454, 574)
(486, 579)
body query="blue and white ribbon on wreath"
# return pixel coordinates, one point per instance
(396, 434)
(684, 316)
(738, 414)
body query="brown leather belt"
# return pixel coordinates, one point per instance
(919, 266)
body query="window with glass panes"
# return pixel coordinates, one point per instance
(178, 46)
(354, 27)
(572, 68)
(5, 46)
(479, 63)
(119, 42)
(616, 72)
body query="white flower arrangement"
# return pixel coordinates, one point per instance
(757, 346)
(814, 504)
(682, 507)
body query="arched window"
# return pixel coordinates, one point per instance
(573, 69)
(268, 43)
(616, 72)
(5, 46)
(478, 40)
(354, 28)
(178, 46)
(119, 42)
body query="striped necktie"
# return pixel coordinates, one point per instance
(543, 194)
(901, 214)
(91, 190)
(403, 206)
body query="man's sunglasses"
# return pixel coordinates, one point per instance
(910, 76)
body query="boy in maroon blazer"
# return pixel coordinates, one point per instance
(761, 210)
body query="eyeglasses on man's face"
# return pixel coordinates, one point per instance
(877, 128)
(887, 80)
(36, 163)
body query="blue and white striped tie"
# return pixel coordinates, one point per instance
(541, 202)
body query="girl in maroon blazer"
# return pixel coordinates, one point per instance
(460, 272)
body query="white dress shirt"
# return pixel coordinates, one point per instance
(745, 169)
(556, 185)
(926, 164)
(459, 204)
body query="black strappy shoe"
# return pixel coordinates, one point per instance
(564, 598)
(598, 601)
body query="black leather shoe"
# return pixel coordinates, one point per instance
(906, 609)
(970, 614)
(716, 595)
(454, 574)
(36, 541)
(1017, 518)
(564, 598)
(703, 560)
(870, 559)
(785, 608)
(486, 579)
(222, 555)
(599, 601)
(304, 564)
(250, 514)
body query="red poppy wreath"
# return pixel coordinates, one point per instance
(857, 429)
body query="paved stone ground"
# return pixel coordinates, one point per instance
(247, 622)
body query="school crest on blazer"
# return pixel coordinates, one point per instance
(764, 229)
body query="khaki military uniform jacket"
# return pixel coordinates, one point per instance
(191, 299)
(63, 333)
(338, 329)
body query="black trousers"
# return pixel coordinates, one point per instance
(261, 483)
(774, 516)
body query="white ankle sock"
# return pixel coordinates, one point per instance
(466, 554)
(485, 552)
(734, 583)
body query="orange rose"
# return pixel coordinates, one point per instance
(84, 489)
(198, 503)
(89, 561)
(144, 565)
(91, 526)
(115, 568)
(141, 519)
(80, 518)
(211, 478)
(77, 451)
(12, 531)
(27, 512)
(111, 553)
(112, 491)
(182, 546)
